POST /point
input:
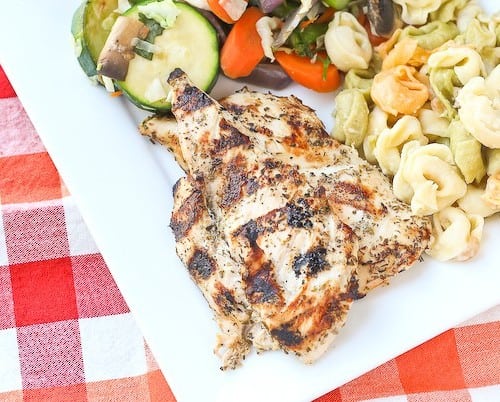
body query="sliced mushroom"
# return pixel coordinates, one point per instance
(383, 16)
(119, 49)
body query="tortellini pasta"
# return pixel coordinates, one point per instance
(465, 62)
(491, 58)
(449, 10)
(416, 12)
(473, 202)
(427, 178)
(385, 47)
(351, 117)
(405, 52)
(455, 235)
(432, 121)
(361, 80)
(443, 82)
(347, 43)
(479, 35)
(433, 125)
(377, 122)
(479, 108)
(466, 153)
(399, 90)
(492, 192)
(464, 17)
(391, 140)
(493, 161)
(432, 35)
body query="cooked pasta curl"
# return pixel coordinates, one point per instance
(399, 90)
(347, 43)
(465, 62)
(427, 178)
(479, 108)
(416, 12)
(474, 202)
(455, 235)
(432, 122)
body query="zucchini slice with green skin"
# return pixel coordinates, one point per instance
(190, 44)
(90, 27)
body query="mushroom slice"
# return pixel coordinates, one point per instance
(383, 17)
(119, 47)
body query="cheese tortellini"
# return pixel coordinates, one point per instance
(474, 202)
(465, 62)
(416, 12)
(405, 52)
(432, 92)
(479, 108)
(466, 14)
(432, 35)
(455, 235)
(449, 10)
(433, 124)
(391, 140)
(492, 192)
(479, 35)
(377, 122)
(427, 178)
(351, 117)
(466, 153)
(399, 90)
(347, 43)
(361, 80)
(444, 82)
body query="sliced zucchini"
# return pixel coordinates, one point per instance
(91, 25)
(189, 43)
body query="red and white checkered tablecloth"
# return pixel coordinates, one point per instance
(66, 333)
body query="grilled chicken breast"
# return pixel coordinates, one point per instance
(272, 257)
(206, 256)
(390, 238)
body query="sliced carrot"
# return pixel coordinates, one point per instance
(361, 18)
(323, 18)
(326, 16)
(219, 11)
(312, 75)
(242, 50)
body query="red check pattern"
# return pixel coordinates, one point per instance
(66, 333)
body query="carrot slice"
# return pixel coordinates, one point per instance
(242, 50)
(312, 75)
(219, 11)
(323, 18)
(327, 16)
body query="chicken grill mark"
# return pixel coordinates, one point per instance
(187, 214)
(312, 262)
(279, 225)
(201, 265)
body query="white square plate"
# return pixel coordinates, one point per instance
(123, 183)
